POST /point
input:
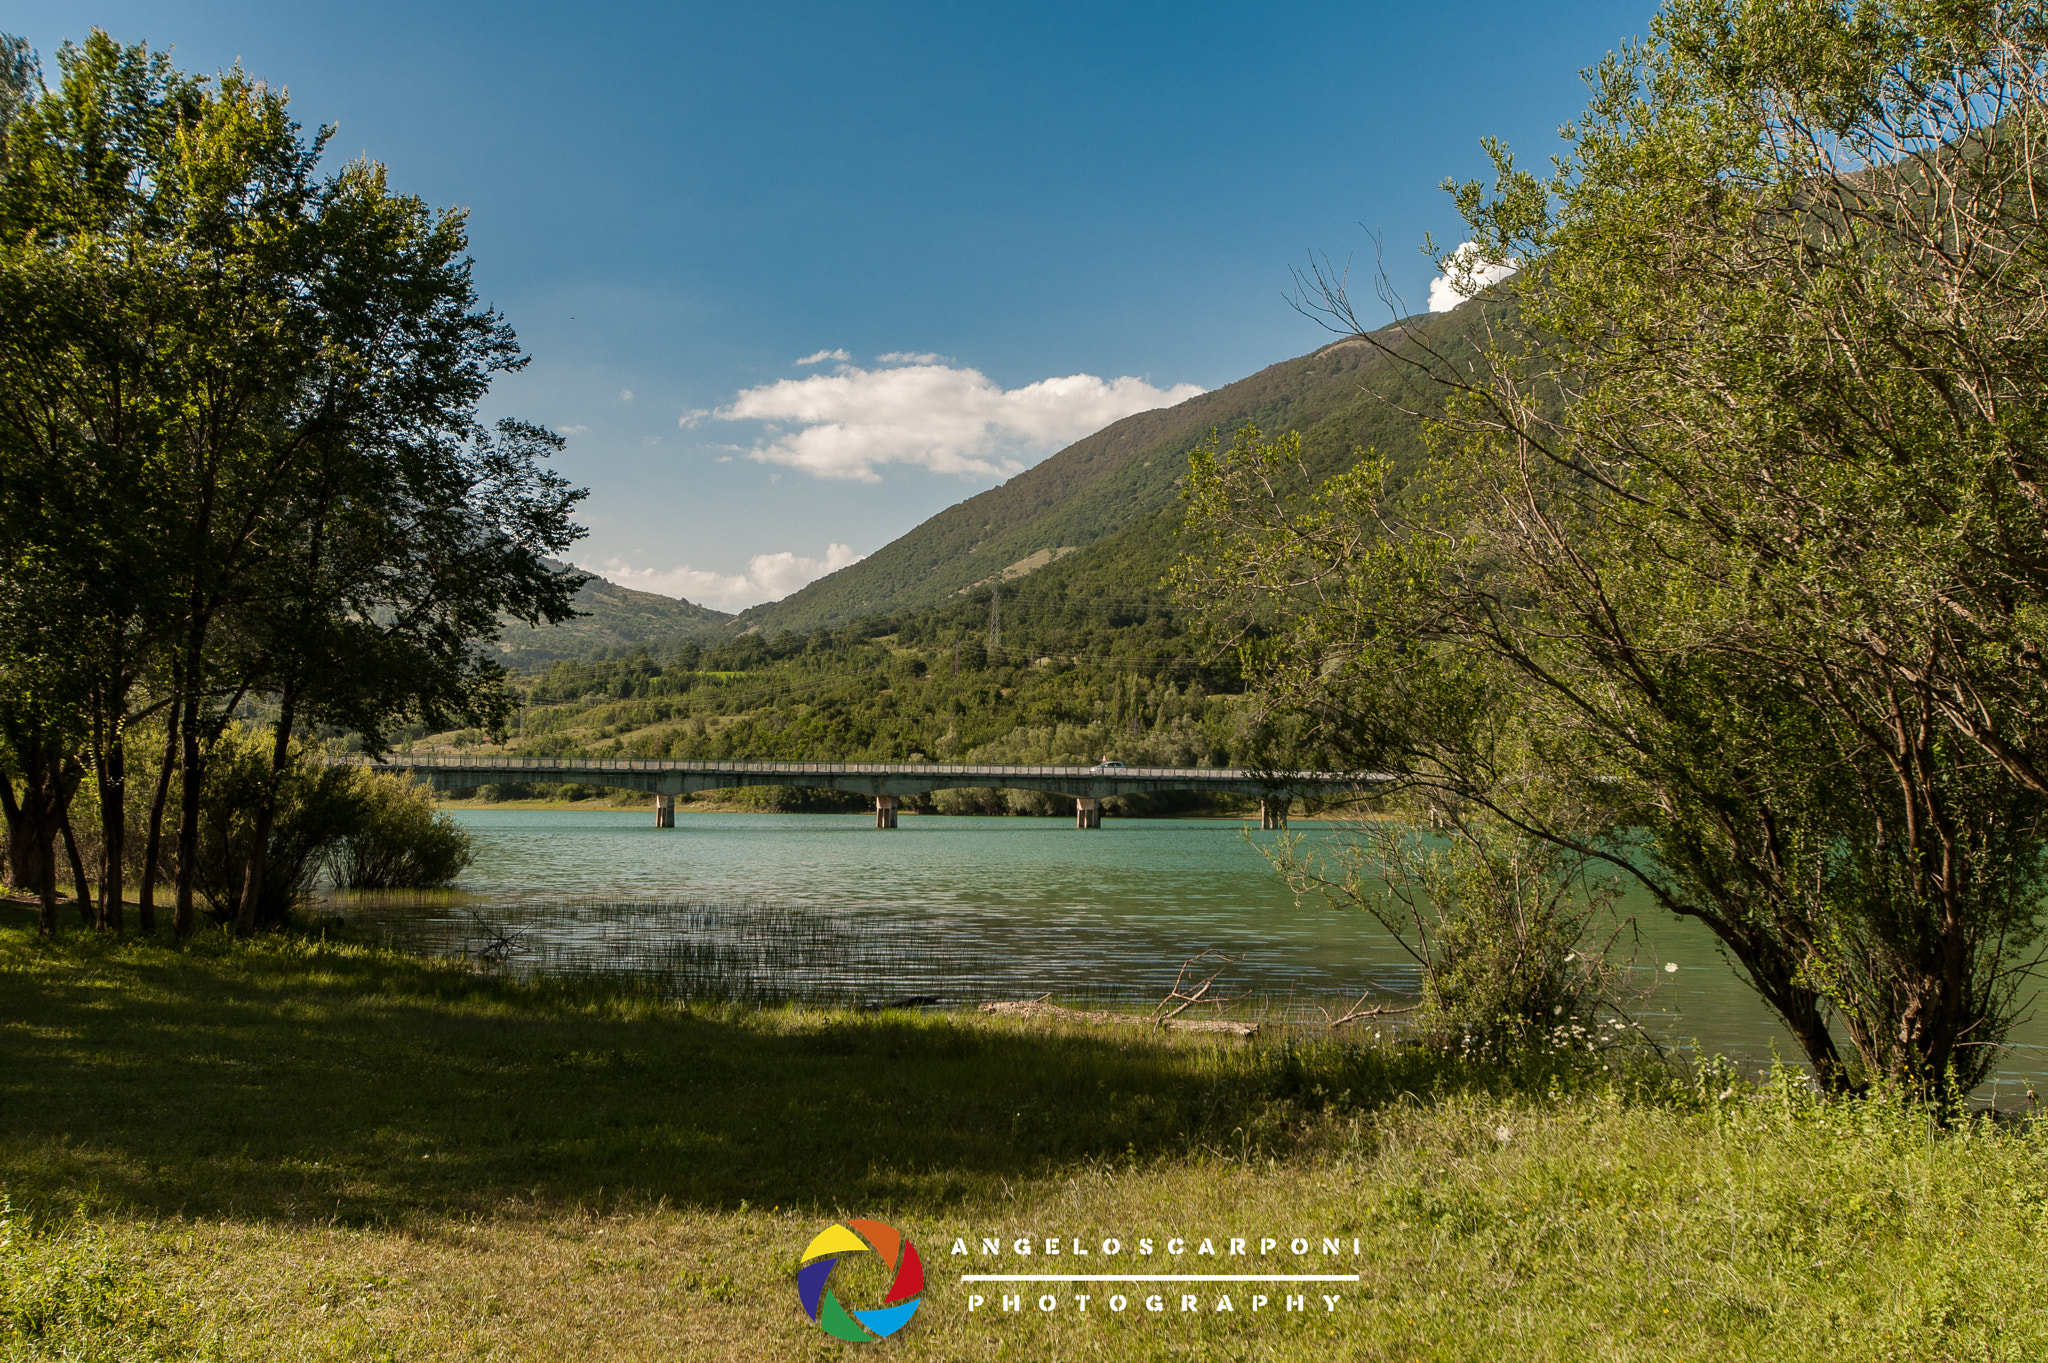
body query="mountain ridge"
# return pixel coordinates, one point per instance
(610, 616)
(1094, 487)
(1350, 394)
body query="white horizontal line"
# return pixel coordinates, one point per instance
(1159, 1277)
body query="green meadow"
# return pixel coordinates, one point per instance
(299, 1148)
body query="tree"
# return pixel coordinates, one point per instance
(1732, 565)
(39, 729)
(398, 565)
(237, 418)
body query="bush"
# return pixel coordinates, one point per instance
(791, 799)
(969, 800)
(398, 841)
(1503, 926)
(316, 805)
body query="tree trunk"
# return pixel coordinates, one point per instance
(188, 820)
(46, 868)
(80, 885)
(32, 829)
(1774, 977)
(152, 848)
(1810, 1029)
(23, 867)
(266, 816)
(111, 768)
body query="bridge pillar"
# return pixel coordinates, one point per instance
(885, 811)
(1273, 813)
(1087, 812)
(664, 811)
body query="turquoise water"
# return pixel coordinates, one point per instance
(973, 908)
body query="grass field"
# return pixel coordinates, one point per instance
(294, 1148)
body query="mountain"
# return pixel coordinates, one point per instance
(1095, 520)
(610, 617)
(1083, 652)
(1345, 395)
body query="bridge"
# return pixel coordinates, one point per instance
(887, 782)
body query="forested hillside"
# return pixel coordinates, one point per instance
(610, 617)
(1097, 515)
(1089, 665)
(1090, 658)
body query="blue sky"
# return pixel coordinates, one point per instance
(1046, 215)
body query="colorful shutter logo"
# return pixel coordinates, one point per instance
(860, 1237)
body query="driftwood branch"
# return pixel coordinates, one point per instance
(497, 943)
(1187, 996)
(1358, 1012)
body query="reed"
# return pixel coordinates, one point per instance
(777, 954)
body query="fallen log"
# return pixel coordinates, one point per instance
(1039, 1008)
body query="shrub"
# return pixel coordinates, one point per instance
(793, 799)
(398, 841)
(1502, 925)
(316, 805)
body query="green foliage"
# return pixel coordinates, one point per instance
(790, 799)
(1502, 926)
(371, 830)
(1727, 571)
(1512, 933)
(1804, 417)
(397, 840)
(1128, 681)
(316, 806)
(239, 450)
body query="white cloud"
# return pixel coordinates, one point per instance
(692, 417)
(625, 395)
(1445, 291)
(909, 357)
(570, 430)
(819, 356)
(932, 416)
(769, 577)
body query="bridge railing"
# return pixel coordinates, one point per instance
(515, 763)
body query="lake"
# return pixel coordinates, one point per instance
(967, 909)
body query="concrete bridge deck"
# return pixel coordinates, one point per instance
(887, 782)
